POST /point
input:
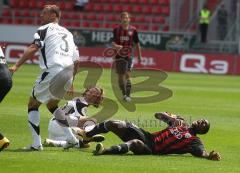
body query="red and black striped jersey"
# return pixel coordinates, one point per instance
(125, 37)
(177, 140)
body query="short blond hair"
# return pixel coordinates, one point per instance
(53, 9)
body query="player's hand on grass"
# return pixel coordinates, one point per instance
(214, 156)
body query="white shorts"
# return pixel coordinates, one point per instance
(55, 131)
(52, 83)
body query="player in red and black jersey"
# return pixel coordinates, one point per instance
(124, 37)
(177, 138)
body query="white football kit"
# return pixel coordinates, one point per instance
(74, 109)
(57, 54)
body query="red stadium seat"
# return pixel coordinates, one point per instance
(133, 1)
(153, 1)
(66, 23)
(65, 15)
(91, 17)
(166, 28)
(143, 1)
(17, 13)
(98, 7)
(75, 24)
(140, 19)
(166, 11)
(111, 18)
(89, 7)
(164, 2)
(32, 4)
(13, 3)
(95, 25)
(100, 17)
(23, 4)
(157, 10)
(127, 8)
(40, 4)
(6, 12)
(28, 21)
(7, 20)
(143, 27)
(155, 28)
(85, 24)
(147, 10)
(18, 21)
(137, 9)
(159, 19)
(117, 9)
(108, 8)
(124, 1)
(69, 5)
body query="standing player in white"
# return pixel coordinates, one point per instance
(57, 53)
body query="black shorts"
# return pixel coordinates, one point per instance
(123, 64)
(5, 81)
(134, 132)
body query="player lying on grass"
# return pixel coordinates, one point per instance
(76, 110)
(177, 138)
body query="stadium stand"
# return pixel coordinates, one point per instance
(147, 15)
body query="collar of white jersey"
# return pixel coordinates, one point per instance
(83, 100)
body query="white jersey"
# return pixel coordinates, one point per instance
(76, 107)
(56, 46)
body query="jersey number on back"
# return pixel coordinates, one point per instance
(64, 46)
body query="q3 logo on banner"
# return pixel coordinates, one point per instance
(197, 63)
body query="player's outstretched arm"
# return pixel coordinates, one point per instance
(31, 50)
(170, 119)
(211, 156)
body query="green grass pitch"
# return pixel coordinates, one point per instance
(194, 96)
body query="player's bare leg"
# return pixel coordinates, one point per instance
(60, 116)
(34, 124)
(135, 145)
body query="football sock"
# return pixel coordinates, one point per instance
(118, 149)
(128, 87)
(1, 136)
(34, 122)
(122, 87)
(99, 128)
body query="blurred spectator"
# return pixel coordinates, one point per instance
(233, 7)
(204, 21)
(79, 5)
(222, 22)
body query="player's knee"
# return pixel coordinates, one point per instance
(137, 146)
(33, 104)
(114, 124)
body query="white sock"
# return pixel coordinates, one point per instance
(58, 143)
(34, 121)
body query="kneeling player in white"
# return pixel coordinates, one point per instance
(76, 116)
